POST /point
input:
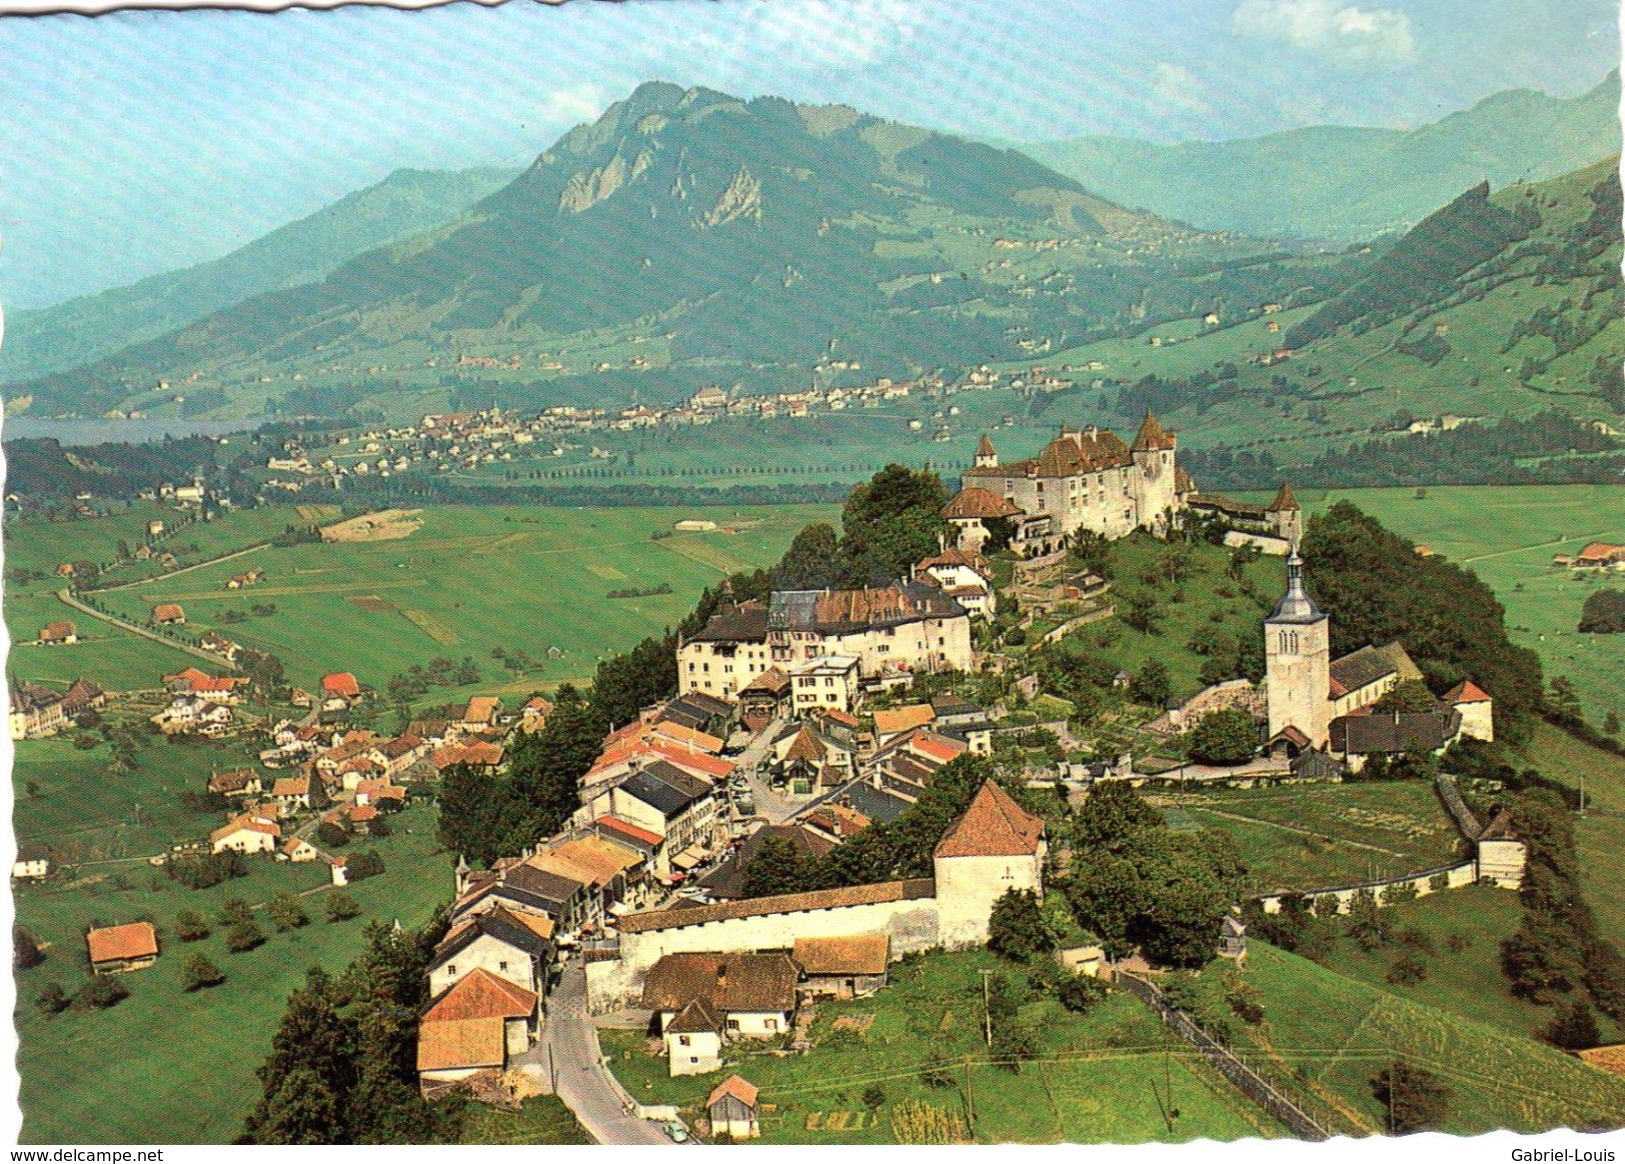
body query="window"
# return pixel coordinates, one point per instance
(684, 1041)
(733, 1024)
(693, 1058)
(451, 969)
(502, 966)
(772, 1024)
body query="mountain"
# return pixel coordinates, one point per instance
(1346, 184)
(687, 237)
(85, 329)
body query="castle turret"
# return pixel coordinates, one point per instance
(1156, 490)
(995, 847)
(986, 458)
(1298, 661)
(1285, 516)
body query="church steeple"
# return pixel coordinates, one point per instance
(1295, 604)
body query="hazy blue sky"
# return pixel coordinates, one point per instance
(142, 141)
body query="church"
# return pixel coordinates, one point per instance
(1084, 479)
(1317, 703)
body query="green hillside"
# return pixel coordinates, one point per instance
(1346, 183)
(686, 237)
(92, 326)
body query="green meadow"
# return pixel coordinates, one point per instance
(1096, 1078)
(474, 579)
(120, 1076)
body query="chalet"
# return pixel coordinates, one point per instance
(32, 863)
(168, 614)
(964, 576)
(238, 782)
(119, 949)
(764, 699)
(843, 967)
(732, 1109)
(246, 834)
(298, 850)
(57, 634)
(700, 1000)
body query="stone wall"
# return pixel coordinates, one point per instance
(1456, 876)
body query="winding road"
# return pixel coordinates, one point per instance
(581, 1079)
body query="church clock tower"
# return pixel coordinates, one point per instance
(1298, 661)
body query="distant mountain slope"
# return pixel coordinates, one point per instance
(1346, 184)
(691, 234)
(85, 329)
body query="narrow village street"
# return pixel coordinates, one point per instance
(569, 1047)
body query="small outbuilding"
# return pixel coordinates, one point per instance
(843, 967)
(733, 1109)
(119, 949)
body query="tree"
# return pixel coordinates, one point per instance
(101, 992)
(199, 972)
(813, 561)
(1415, 1099)
(235, 911)
(1407, 696)
(243, 936)
(190, 926)
(1151, 685)
(1080, 993)
(286, 912)
(1224, 737)
(629, 682)
(53, 999)
(776, 867)
(25, 950)
(1574, 1028)
(1603, 613)
(1113, 816)
(332, 835)
(341, 906)
(891, 522)
(364, 864)
(1016, 929)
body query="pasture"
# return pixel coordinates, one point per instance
(1091, 1080)
(1316, 836)
(197, 1089)
(474, 579)
(1327, 1035)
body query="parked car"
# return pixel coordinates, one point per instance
(677, 1132)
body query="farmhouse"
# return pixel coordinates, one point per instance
(58, 633)
(201, 685)
(701, 999)
(238, 782)
(497, 942)
(246, 834)
(32, 863)
(340, 685)
(168, 614)
(475, 1026)
(1084, 479)
(118, 949)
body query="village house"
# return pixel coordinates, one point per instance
(497, 941)
(198, 684)
(890, 724)
(218, 644)
(298, 850)
(473, 1027)
(246, 834)
(533, 713)
(32, 863)
(58, 634)
(481, 714)
(662, 798)
(339, 690)
(236, 783)
(764, 699)
(806, 759)
(120, 949)
(611, 872)
(190, 713)
(702, 999)
(826, 681)
(522, 887)
(964, 576)
(168, 614)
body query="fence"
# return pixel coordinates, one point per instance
(1254, 1086)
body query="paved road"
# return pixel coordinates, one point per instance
(584, 1083)
(67, 598)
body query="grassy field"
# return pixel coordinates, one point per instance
(113, 659)
(182, 1065)
(1327, 1035)
(1207, 600)
(1508, 536)
(472, 579)
(543, 1120)
(1092, 1082)
(1318, 836)
(1563, 758)
(1462, 931)
(64, 799)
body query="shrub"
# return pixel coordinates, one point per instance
(1415, 1098)
(331, 834)
(1081, 993)
(1408, 971)
(1439, 882)
(53, 999)
(286, 912)
(25, 950)
(341, 906)
(100, 993)
(365, 864)
(236, 912)
(874, 1096)
(199, 972)
(242, 936)
(190, 926)
(1574, 1029)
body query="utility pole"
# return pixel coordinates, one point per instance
(970, 1098)
(987, 1013)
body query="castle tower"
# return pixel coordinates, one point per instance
(1286, 518)
(1156, 491)
(995, 847)
(986, 458)
(1298, 661)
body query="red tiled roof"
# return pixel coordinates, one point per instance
(462, 1043)
(937, 747)
(993, 826)
(1151, 436)
(974, 501)
(165, 611)
(121, 943)
(616, 825)
(341, 683)
(482, 994)
(1467, 692)
(736, 1087)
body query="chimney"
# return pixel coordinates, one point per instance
(722, 974)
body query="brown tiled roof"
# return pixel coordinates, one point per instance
(773, 681)
(291, 786)
(734, 1086)
(481, 709)
(727, 982)
(121, 943)
(746, 622)
(1367, 665)
(637, 923)
(462, 1043)
(1425, 731)
(860, 954)
(245, 823)
(482, 994)
(889, 723)
(984, 447)
(993, 826)
(167, 610)
(974, 501)
(1284, 501)
(806, 746)
(1466, 692)
(232, 781)
(937, 747)
(694, 1018)
(57, 630)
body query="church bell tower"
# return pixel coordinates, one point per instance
(1298, 661)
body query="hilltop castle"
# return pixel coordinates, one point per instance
(1084, 479)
